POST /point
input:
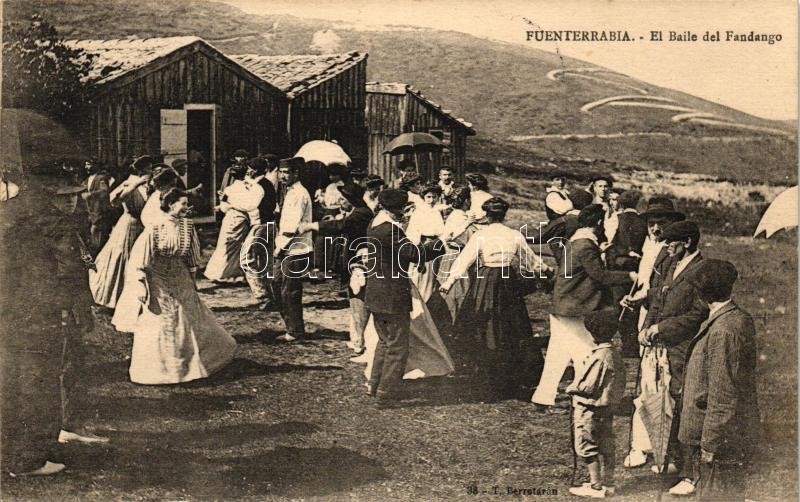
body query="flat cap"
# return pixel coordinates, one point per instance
(602, 324)
(393, 199)
(714, 279)
(241, 153)
(680, 231)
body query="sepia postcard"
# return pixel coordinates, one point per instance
(408, 250)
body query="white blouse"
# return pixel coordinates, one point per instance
(496, 245)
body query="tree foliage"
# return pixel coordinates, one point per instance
(40, 71)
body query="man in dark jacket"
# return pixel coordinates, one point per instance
(582, 286)
(675, 312)
(40, 259)
(719, 416)
(624, 253)
(388, 295)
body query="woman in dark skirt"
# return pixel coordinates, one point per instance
(493, 319)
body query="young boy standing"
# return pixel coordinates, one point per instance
(598, 386)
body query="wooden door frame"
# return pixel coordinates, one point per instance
(215, 110)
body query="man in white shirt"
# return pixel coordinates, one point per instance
(292, 249)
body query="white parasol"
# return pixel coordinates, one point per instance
(780, 215)
(325, 152)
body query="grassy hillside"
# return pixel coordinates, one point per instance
(502, 88)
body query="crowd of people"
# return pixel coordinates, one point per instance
(436, 284)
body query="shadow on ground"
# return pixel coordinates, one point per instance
(283, 471)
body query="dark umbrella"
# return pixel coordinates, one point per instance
(410, 143)
(414, 143)
(32, 139)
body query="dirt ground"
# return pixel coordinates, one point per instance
(288, 422)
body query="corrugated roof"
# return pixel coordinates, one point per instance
(400, 88)
(114, 58)
(296, 74)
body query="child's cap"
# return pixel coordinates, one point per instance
(602, 324)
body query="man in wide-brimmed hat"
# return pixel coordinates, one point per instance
(659, 212)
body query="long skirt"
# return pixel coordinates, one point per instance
(494, 330)
(224, 263)
(177, 338)
(427, 354)
(109, 279)
(456, 294)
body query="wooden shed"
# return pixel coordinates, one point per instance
(327, 96)
(395, 108)
(182, 97)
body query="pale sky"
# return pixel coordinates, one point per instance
(754, 77)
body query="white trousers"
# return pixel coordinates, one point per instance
(570, 341)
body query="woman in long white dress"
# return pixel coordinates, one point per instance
(239, 198)
(108, 280)
(128, 307)
(177, 338)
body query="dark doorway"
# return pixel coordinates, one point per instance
(199, 141)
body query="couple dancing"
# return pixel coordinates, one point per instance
(392, 297)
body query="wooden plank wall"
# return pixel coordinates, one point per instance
(126, 120)
(333, 110)
(385, 120)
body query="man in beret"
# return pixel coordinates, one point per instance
(675, 312)
(388, 295)
(582, 286)
(293, 249)
(719, 416)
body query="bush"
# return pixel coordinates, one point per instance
(40, 72)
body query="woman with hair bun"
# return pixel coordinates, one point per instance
(493, 319)
(176, 338)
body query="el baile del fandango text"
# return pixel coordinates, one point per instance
(655, 36)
